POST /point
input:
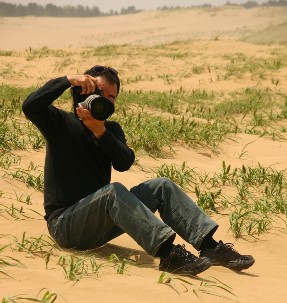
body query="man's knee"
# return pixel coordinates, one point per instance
(117, 188)
(163, 182)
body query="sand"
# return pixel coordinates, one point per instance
(214, 32)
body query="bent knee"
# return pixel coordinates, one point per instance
(117, 187)
(163, 181)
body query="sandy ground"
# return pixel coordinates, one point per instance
(264, 282)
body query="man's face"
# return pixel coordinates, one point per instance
(108, 90)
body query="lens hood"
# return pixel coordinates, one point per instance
(100, 107)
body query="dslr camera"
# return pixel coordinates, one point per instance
(100, 107)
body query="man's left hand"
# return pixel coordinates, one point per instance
(96, 126)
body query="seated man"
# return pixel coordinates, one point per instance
(84, 210)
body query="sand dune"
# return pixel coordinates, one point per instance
(143, 28)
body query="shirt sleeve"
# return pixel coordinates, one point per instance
(37, 106)
(113, 144)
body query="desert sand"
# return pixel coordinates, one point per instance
(213, 33)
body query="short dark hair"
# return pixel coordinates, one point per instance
(110, 74)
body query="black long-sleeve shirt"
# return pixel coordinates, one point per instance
(77, 163)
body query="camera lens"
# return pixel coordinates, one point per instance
(100, 107)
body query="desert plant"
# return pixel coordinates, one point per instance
(77, 267)
(34, 246)
(43, 296)
(210, 286)
(181, 175)
(6, 261)
(31, 180)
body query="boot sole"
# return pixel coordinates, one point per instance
(235, 265)
(188, 272)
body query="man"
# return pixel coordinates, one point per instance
(84, 210)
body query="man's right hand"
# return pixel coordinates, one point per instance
(87, 82)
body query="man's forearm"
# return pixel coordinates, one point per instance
(121, 156)
(44, 96)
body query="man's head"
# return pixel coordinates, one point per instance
(107, 73)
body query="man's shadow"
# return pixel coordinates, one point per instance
(108, 251)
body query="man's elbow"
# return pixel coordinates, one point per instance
(125, 165)
(26, 106)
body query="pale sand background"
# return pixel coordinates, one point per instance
(266, 280)
(265, 24)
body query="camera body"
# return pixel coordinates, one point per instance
(100, 107)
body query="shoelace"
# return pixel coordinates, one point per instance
(228, 248)
(185, 253)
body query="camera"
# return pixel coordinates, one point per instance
(100, 107)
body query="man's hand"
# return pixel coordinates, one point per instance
(87, 82)
(96, 126)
